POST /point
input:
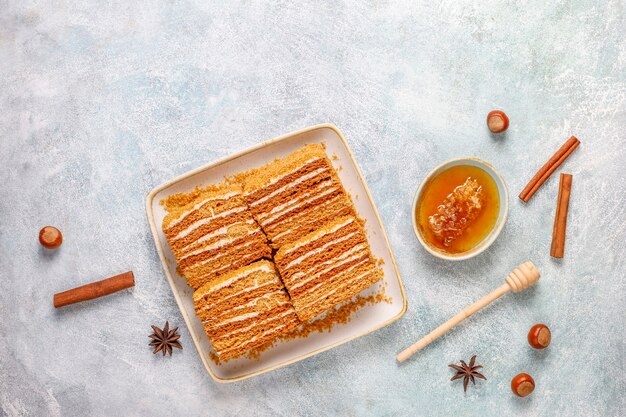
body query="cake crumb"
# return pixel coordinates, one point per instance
(334, 157)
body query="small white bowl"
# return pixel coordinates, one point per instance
(497, 228)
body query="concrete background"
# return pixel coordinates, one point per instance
(102, 101)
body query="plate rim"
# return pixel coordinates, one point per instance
(153, 227)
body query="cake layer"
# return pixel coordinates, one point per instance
(327, 267)
(212, 233)
(293, 196)
(244, 309)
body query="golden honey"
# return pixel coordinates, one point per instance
(457, 209)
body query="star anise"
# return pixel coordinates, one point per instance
(467, 372)
(164, 340)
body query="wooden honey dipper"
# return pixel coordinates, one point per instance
(518, 280)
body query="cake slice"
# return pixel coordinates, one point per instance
(244, 309)
(293, 196)
(212, 233)
(327, 267)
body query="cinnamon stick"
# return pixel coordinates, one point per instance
(557, 250)
(544, 173)
(95, 289)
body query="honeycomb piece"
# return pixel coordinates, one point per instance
(457, 211)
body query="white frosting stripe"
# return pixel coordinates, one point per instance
(226, 252)
(294, 218)
(256, 324)
(302, 203)
(319, 234)
(200, 204)
(204, 221)
(334, 290)
(362, 247)
(235, 319)
(318, 250)
(251, 303)
(219, 243)
(242, 317)
(209, 307)
(351, 268)
(261, 267)
(334, 265)
(219, 271)
(221, 231)
(318, 187)
(288, 185)
(280, 177)
(252, 340)
(336, 279)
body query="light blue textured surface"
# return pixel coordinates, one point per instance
(102, 101)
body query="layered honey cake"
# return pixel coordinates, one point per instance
(244, 309)
(269, 249)
(327, 266)
(212, 232)
(293, 196)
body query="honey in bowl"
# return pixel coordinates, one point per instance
(457, 209)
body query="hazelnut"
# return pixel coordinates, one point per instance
(539, 336)
(522, 385)
(497, 121)
(50, 237)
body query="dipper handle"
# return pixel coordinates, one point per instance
(518, 280)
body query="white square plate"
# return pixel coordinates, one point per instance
(367, 319)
